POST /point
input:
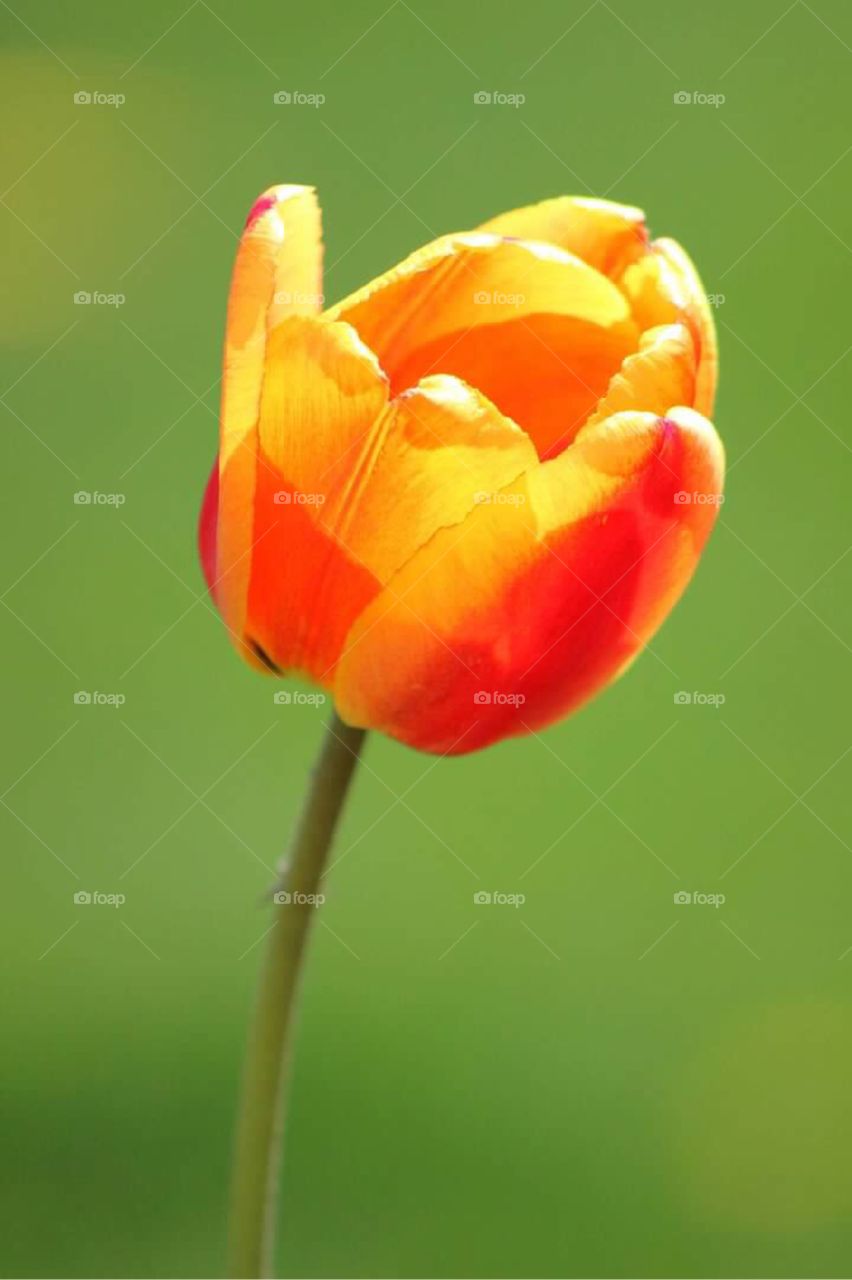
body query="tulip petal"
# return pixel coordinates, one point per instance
(474, 278)
(534, 603)
(349, 486)
(278, 271)
(440, 450)
(539, 332)
(658, 377)
(322, 393)
(664, 287)
(607, 236)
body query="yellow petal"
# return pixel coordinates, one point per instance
(606, 235)
(660, 375)
(278, 271)
(439, 450)
(664, 287)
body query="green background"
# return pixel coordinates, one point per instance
(600, 1082)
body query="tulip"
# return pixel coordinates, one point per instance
(460, 500)
(463, 498)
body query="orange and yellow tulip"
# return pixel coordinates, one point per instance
(462, 499)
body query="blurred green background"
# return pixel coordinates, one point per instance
(600, 1082)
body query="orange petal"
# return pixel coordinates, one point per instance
(537, 601)
(278, 270)
(349, 486)
(536, 330)
(608, 236)
(664, 287)
(658, 377)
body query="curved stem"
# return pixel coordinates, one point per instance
(260, 1125)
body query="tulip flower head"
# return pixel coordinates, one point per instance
(462, 499)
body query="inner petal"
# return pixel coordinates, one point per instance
(535, 329)
(664, 288)
(546, 372)
(606, 235)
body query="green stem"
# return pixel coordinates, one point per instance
(260, 1126)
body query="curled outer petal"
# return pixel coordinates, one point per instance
(538, 599)
(278, 271)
